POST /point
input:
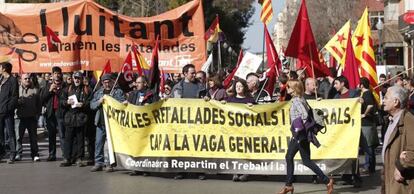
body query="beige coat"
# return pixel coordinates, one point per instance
(402, 139)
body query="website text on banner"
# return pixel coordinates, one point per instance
(90, 34)
(193, 135)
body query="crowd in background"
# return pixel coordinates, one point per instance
(69, 106)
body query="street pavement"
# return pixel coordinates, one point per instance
(27, 177)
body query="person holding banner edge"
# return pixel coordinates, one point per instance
(299, 142)
(101, 152)
(189, 87)
(140, 97)
(242, 95)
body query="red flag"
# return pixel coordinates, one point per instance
(332, 61)
(106, 69)
(137, 61)
(273, 63)
(272, 56)
(20, 65)
(127, 70)
(302, 44)
(227, 81)
(155, 71)
(52, 40)
(162, 82)
(351, 65)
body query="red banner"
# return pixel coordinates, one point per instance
(91, 35)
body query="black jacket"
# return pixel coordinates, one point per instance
(9, 95)
(149, 98)
(46, 97)
(83, 94)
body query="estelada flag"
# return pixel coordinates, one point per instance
(364, 52)
(351, 65)
(52, 40)
(338, 44)
(302, 45)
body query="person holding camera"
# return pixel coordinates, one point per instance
(51, 98)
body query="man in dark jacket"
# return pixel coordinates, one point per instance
(9, 94)
(96, 104)
(28, 110)
(51, 98)
(140, 97)
(76, 100)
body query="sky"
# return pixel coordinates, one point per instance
(254, 36)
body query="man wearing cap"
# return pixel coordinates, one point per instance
(76, 100)
(51, 98)
(96, 105)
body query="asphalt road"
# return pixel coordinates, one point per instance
(44, 177)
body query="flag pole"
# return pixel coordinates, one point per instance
(386, 81)
(261, 90)
(313, 69)
(116, 81)
(96, 86)
(219, 55)
(263, 47)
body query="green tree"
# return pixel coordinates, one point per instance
(234, 17)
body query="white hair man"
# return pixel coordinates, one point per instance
(253, 83)
(398, 148)
(310, 88)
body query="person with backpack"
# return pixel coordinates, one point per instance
(299, 114)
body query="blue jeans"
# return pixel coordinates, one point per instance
(55, 125)
(370, 161)
(303, 147)
(101, 149)
(7, 127)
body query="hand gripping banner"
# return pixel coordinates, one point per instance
(192, 135)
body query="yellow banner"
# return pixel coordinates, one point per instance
(198, 129)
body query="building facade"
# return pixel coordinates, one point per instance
(406, 28)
